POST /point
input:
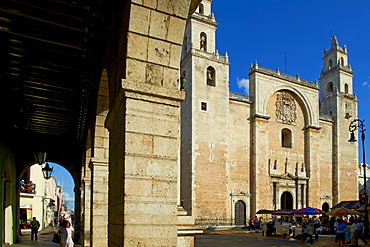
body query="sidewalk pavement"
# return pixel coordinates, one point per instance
(44, 238)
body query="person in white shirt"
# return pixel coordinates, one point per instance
(353, 233)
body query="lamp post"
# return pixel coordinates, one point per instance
(40, 157)
(47, 170)
(354, 125)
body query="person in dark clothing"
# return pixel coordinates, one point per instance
(35, 225)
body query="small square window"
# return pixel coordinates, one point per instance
(203, 106)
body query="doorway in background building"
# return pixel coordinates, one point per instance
(325, 207)
(286, 200)
(240, 217)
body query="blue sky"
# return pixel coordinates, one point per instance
(267, 30)
(64, 178)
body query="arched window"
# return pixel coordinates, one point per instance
(329, 87)
(330, 64)
(346, 88)
(341, 61)
(211, 76)
(201, 9)
(240, 217)
(203, 42)
(286, 138)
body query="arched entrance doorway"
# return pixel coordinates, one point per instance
(325, 207)
(286, 200)
(240, 218)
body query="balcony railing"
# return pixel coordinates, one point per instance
(28, 188)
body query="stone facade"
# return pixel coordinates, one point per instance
(283, 146)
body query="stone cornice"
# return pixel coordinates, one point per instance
(206, 55)
(205, 18)
(278, 74)
(337, 67)
(259, 115)
(315, 127)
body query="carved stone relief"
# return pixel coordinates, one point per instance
(285, 108)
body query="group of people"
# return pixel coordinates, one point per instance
(356, 229)
(255, 223)
(65, 229)
(313, 226)
(27, 188)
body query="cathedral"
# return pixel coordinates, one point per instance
(283, 146)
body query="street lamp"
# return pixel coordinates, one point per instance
(40, 157)
(354, 125)
(46, 171)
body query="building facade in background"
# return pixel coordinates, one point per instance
(284, 146)
(38, 198)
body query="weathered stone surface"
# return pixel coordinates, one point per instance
(137, 46)
(166, 6)
(139, 19)
(159, 23)
(154, 74)
(159, 52)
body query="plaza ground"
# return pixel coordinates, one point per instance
(256, 239)
(211, 239)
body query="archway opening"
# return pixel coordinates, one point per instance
(56, 193)
(325, 207)
(286, 200)
(330, 87)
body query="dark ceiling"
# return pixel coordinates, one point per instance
(50, 63)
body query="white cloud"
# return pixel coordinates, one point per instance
(366, 84)
(67, 197)
(243, 83)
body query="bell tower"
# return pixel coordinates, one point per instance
(337, 73)
(204, 125)
(338, 101)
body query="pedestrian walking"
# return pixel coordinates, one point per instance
(67, 232)
(360, 232)
(310, 231)
(35, 225)
(61, 219)
(341, 226)
(353, 232)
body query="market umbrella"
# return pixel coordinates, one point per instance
(361, 209)
(341, 212)
(284, 212)
(264, 211)
(309, 211)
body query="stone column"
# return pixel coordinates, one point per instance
(87, 212)
(277, 196)
(144, 120)
(99, 202)
(304, 194)
(78, 197)
(143, 167)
